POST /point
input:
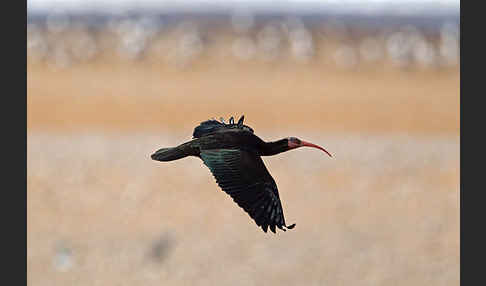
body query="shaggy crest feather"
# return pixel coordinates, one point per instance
(211, 126)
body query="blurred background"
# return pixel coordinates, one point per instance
(374, 82)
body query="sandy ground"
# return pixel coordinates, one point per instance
(140, 97)
(383, 211)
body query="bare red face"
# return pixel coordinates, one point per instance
(296, 143)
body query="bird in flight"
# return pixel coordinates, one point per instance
(233, 155)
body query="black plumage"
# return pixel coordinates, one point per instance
(210, 126)
(233, 154)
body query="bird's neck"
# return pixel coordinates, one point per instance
(272, 148)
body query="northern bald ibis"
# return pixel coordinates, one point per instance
(232, 153)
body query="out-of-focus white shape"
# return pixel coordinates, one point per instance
(400, 45)
(189, 44)
(398, 48)
(63, 260)
(269, 41)
(300, 39)
(242, 21)
(84, 46)
(449, 44)
(424, 53)
(409, 46)
(345, 57)
(59, 57)
(371, 49)
(150, 24)
(57, 21)
(37, 47)
(244, 48)
(134, 35)
(301, 44)
(132, 41)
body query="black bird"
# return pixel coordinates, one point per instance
(232, 153)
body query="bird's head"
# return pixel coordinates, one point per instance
(294, 142)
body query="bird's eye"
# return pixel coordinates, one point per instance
(294, 140)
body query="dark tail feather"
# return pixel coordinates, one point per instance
(168, 154)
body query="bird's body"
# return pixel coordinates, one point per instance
(233, 154)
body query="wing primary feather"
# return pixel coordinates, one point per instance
(243, 175)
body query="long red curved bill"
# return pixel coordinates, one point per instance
(315, 146)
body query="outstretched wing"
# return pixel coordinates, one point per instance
(243, 176)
